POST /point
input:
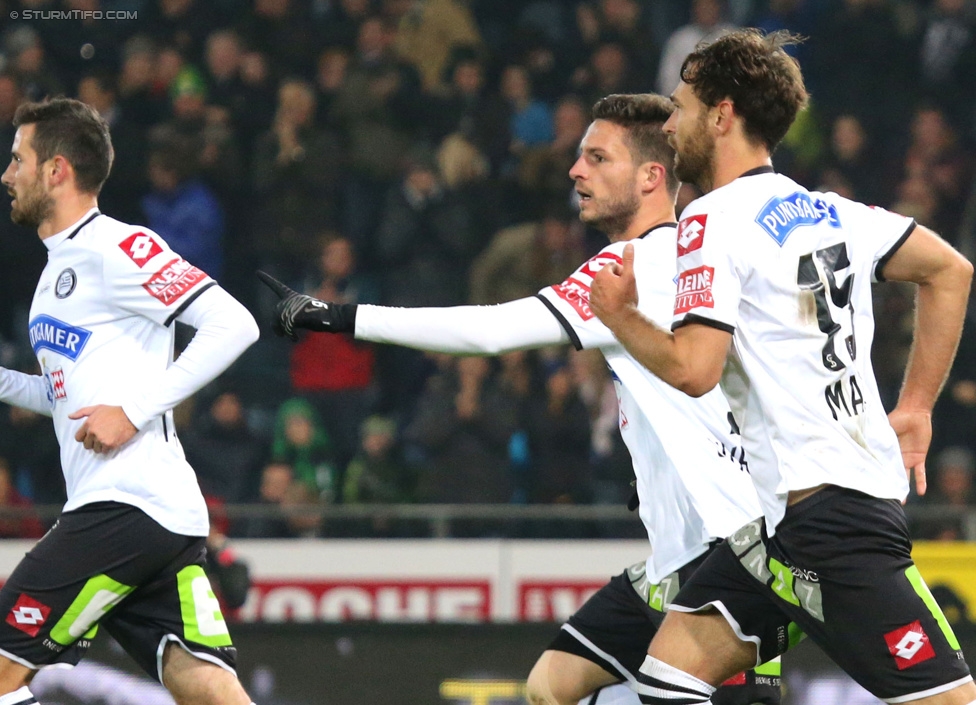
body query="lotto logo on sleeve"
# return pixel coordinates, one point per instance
(576, 289)
(909, 645)
(691, 234)
(694, 289)
(172, 281)
(141, 248)
(28, 615)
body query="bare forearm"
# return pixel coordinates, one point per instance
(940, 309)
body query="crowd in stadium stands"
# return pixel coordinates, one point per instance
(415, 152)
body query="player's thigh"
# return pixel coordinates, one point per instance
(562, 677)
(858, 595)
(83, 568)
(192, 680)
(177, 607)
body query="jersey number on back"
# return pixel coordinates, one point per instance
(829, 260)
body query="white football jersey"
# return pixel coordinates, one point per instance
(788, 272)
(100, 326)
(692, 476)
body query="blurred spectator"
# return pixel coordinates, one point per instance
(558, 426)
(851, 166)
(544, 172)
(871, 72)
(295, 174)
(335, 372)
(463, 424)
(302, 443)
(623, 22)
(947, 57)
(463, 104)
(429, 31)
(23, 256)
(22, 524)
(138, 100)
(226, 455)
(951, 486)
(954, 418)
(183, 24)
(425, 241)
(279, 490)
(127, 181)
(522, 259)
(377, 108)
(338, 22)
(330, 77)
(282, 30)
(608, 72)
(182, 208)
(28, 443)
(376, 474)
(230, 100)
(530, 123)
(937, 155)
(28, 63)
(707, 22)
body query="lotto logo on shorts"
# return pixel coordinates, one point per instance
(691, 234)
(141, 248)
(909, 645)
(172, 281)
(28, 615)
(694, 289)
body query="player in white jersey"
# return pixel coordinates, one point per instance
(127, 552)
(774, 301)
(692, 479)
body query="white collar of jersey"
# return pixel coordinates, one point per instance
(58, 238)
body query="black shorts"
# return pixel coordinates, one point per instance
(840, 566)
(109, 564)
(615, 626)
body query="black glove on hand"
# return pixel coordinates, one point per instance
(296, 310)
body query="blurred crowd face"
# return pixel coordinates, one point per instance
(331, 69)
(569, 122)
(847, 137)
(468, 78)
(9, 98)
(90, 92)
(296, 103)
(227, 410)
(299, 430)
(275, 482)
(515, 86)
(223, 55)
(373, 40)
(606, 179)
(338, 260)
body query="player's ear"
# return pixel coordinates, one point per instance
(724, 116)
(58, 170)
(653, 176)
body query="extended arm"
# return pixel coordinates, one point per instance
(691, 359)
(24, 390)
(467, 330)
(943, 277)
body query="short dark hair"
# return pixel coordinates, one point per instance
(75, 131)
(643, 116)
(753, 70)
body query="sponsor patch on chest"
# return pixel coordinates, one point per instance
(48, 333)
(170, 283)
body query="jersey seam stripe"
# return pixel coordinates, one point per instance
(186, 303)
(87, 221)
(710, 322)
(656, 227)
(562, 321)
(879, 267)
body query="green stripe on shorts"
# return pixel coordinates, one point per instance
(203, 621)
(770, 668)
(915, 578)
(95, 600)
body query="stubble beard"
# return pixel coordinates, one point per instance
(616, 216)
(693, 162)
(33, 207)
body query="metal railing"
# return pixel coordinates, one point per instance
(446, 520)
